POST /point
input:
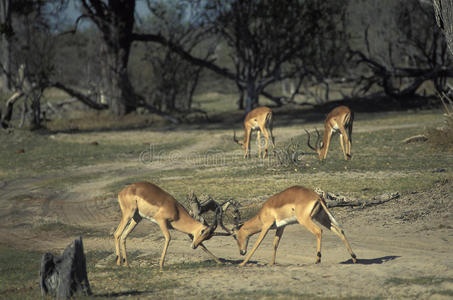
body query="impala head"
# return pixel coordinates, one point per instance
(205, 232)
(318, 144)
(238, 141)
(241, 238)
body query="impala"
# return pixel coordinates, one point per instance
(340, 120)
(259, 119)
(146, 200)
(296, 204)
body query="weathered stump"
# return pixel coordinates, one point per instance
(65, 275)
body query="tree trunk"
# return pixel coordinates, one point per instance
(251, 100)
(115, 21)
(6, 33)
(119, 91)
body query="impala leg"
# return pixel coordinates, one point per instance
(217, 260)
(345, 151)
(341, 234)
(258, 242)
(118, 232)
(266, 138)
(345, 144)
(278, 236)
(313, 228)
(248, 134)
(324, 220)
(126, 232)
(163, 226)
(271, 127)
(258, 141)
(325, 147)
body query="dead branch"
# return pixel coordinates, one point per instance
(336, 200)
(415, 138)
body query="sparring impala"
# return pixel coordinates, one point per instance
(296, 204)
(146, 200)
(259, 119)
(340, 120)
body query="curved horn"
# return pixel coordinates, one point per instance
(308, 141)
(216, 217)
(318, 139)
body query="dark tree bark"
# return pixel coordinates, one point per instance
(64, 276)
(6, 33)
(443, 10)
(115, 20)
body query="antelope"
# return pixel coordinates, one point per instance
(259, 119)
(340, 120)
(296, 204)
(146, 200)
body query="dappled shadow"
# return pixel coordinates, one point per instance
(371, 261)
(121, 294)
(238, 261)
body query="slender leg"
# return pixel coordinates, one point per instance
(217, 260)
(325, 147)
(258, 141)
(163, 226)
(248, 134)
(341, 234)
(278, 236)
(126, 232)
(324, 220)
(313, 228)
(118, 232)
(258, 242)
(271, 127)
(345, 151)
(345, 143)
(266, 138)
(350, 138)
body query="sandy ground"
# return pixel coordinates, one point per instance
(409, 237)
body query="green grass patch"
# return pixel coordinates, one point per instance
(424, 280)
(19, 273)
(30, 153)
(69, 230)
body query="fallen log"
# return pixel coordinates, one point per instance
(335, 200)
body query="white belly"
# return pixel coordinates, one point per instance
(148, 218)
(284, 222)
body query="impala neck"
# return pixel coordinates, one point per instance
(252, 226)
(185, 222)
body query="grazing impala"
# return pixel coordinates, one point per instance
(340, 119)
(259, 119)
(146, 200)
(294, 205)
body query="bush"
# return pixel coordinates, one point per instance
(442, 138)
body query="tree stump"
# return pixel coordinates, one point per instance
(65, 275)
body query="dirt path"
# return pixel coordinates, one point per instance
(411, 237)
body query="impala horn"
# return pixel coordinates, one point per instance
(236, 140)
(316, 148)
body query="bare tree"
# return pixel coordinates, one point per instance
(443, 11)
(402, 49)
(174, 80)
(27, 62)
